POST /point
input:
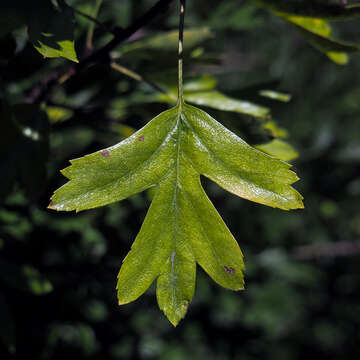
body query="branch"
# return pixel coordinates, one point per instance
(327, 250)
(133, 75)
(41, 91)
(90, 33)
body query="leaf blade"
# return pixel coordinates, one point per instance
(97, 170)
(237, 167)
(182, 227)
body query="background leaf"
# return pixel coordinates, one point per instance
(24, 149)
(50, 27)
(322, 10)
(279, 149)
(317, 32)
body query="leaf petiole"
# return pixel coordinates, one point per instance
(180, 53)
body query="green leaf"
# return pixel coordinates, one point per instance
(217, 100)
(275, 130)
(25, 278)
(279, 149)
(317, 33)
(182, 227)
(201, 91)
(51, 30)
(275, 95)
(335, 12)
(58, 114)
(199, 83)
(167, 41)
(50, 27)
(309, 21)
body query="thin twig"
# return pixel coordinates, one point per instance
(90, 33)
(103, 52)
(133, 75)
(93, 20)
(126, 71)
(327, 250)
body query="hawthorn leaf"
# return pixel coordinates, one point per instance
(51, 30)
(50, 25)
(317, 32)
(311, 21)
(182, 227)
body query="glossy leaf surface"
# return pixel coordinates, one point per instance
(182, 227)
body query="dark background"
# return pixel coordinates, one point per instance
(58, 270)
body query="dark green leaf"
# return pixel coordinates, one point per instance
(317, 32)
(309, 21)
(50, 27)
(7, 326)
(312, 9)
(51, 30)
(24, 148)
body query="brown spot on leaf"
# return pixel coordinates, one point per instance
(105, 153)
(141, 138)
(186, 303)
(229, 270)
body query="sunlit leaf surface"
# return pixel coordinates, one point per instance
(182, 227)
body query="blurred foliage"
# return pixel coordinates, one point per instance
(58, 275)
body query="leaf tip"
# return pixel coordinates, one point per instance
(176, 315)
(53, 206)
